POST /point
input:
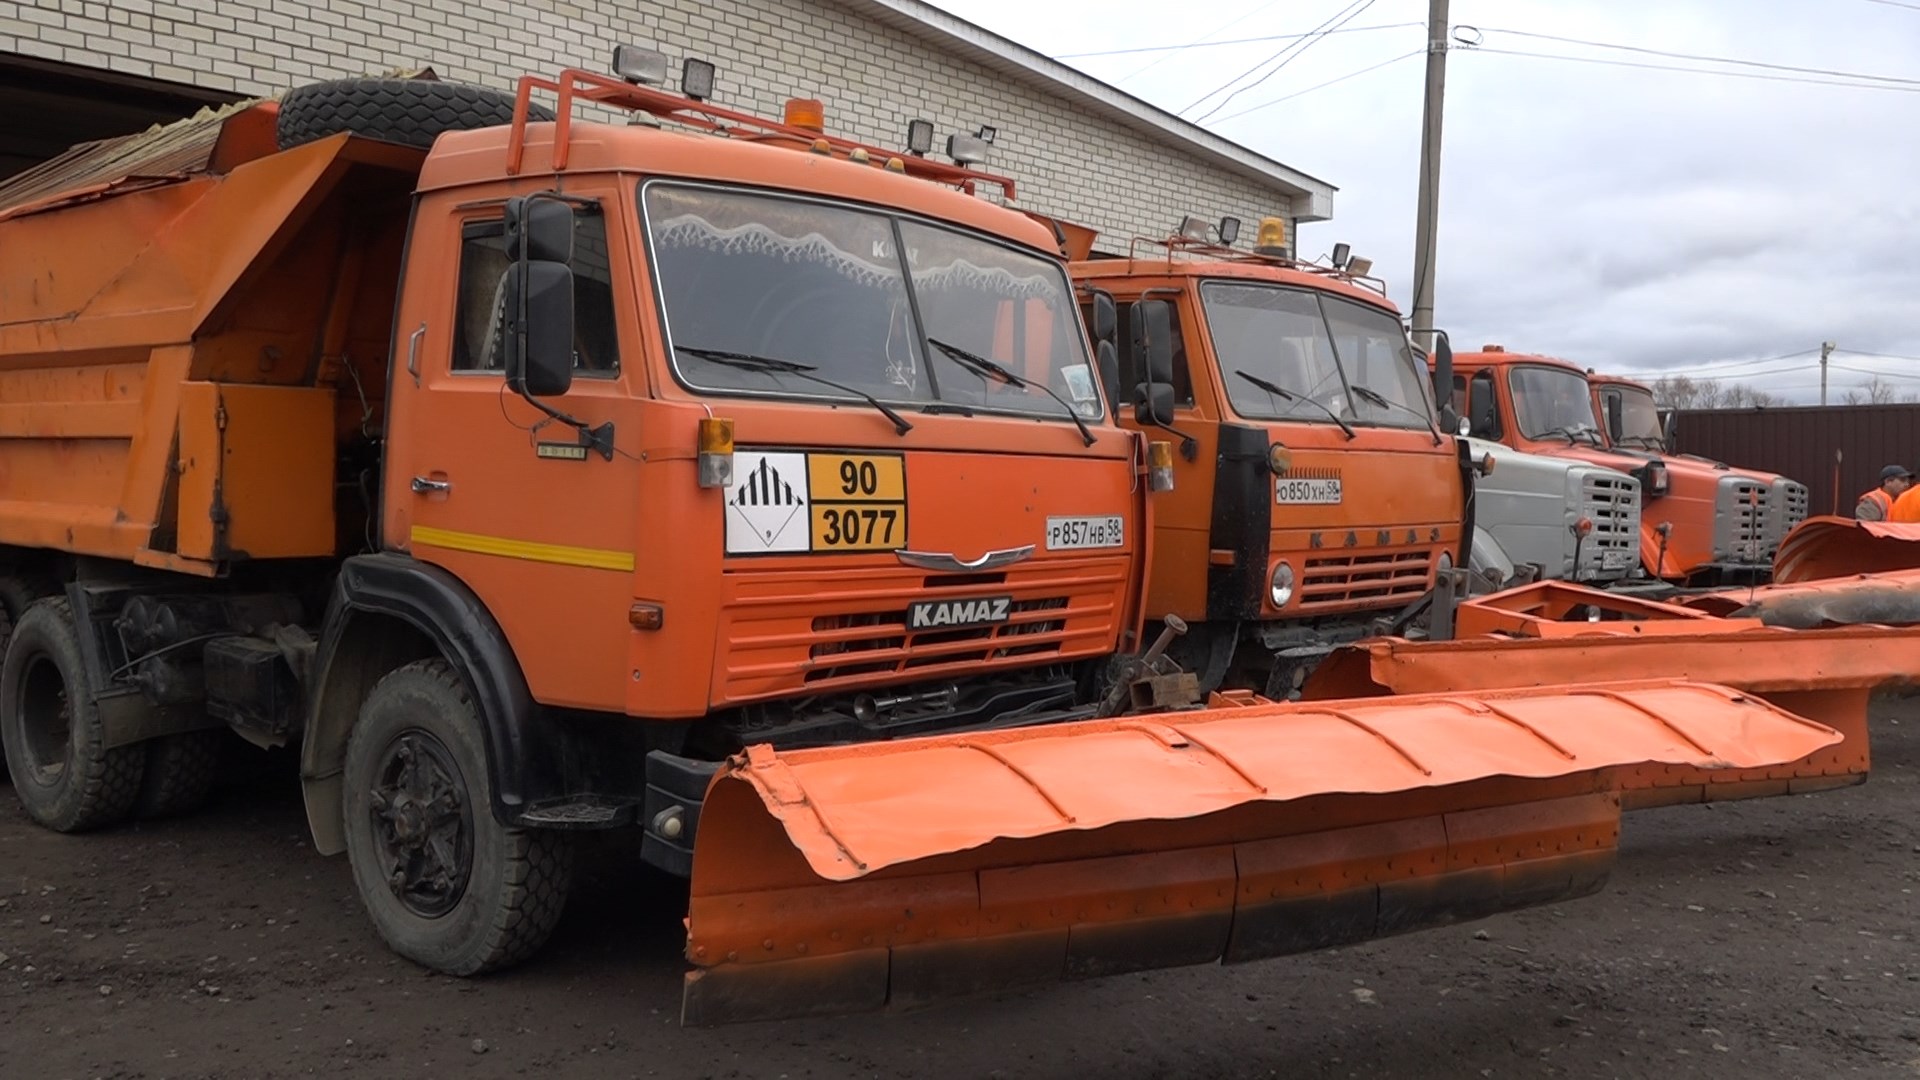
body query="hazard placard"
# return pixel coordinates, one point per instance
(794, 502)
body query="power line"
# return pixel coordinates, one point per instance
(1881, 355)
(1349, 11)
(1271, 72)
(1230, 23)
(1694, 56)
(1231, 41)
(1699, 71)
(1320, 86)
(1896, 3)
(1717, 367)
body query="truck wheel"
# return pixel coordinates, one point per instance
(411, 112)
(178, 774)
(445, 883)
(62, 772)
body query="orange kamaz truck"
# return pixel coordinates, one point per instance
(1316, 495)
(1631, 422)
(711, 476)
(1700, 524)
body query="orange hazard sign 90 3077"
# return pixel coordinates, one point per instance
(801, 502)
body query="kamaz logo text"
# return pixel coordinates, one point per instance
(935, 614)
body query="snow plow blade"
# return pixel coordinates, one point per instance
(1536, 635)
(895, 874)
(1833, 547)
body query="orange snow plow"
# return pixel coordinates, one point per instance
(892, 874)
(1536, 635)
(1830, 547)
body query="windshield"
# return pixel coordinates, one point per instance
(824, 286)
(1551, 403)
(1332, 355)
(1639, 419)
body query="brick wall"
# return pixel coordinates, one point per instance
(872, 77)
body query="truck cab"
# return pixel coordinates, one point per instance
(1315, 494)
(1632, 424)
(1698, 526)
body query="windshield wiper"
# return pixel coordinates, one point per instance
(750, 362)
(986, 368)
(1569, 432)
(1282, 392)
(1377, 398)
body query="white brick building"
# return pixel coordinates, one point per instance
(77, 69)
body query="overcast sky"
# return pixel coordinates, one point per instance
(1627, 219)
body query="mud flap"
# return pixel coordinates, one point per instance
(898, 874)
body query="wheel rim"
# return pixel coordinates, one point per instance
(422, 824)
(46, 719)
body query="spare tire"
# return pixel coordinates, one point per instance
(410, 112)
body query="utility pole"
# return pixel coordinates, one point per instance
(1427, 222)
(1826, 350)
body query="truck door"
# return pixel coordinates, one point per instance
(485, 484)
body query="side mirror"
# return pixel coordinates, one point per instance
(539, 331)
(1153, 404)
(540, 230)
(1443, 379)
(1108, 358)
(1614, 426)
(1106, 318)
(1668, 429)
(1153, 341)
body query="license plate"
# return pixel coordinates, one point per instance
(1079, 533)
(1306, 492)
(1616, 560)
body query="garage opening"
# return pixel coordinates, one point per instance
(51, 106)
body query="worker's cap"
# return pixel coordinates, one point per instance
(1895, 472)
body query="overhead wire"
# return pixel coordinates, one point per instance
(1231, 41)
(1283, 55)
(1698, 71)
(1706, 58)
(1229, 24)
(1321, 86)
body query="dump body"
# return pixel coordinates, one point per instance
(1282, 530)
(1715, 521)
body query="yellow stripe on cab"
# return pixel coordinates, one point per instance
(564, 555)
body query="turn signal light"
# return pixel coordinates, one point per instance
(716, 452)
(647, 616)
(1159, 465)
(1583, 527)
(1279, 459)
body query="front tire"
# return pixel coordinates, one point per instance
(54, 737)
(445, 883)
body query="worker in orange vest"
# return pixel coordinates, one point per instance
(1906, 507)
(1877, 505)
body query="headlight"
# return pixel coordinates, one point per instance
(1281, 588)
(1653, 478)
(1279, 459)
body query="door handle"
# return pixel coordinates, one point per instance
(423, 486)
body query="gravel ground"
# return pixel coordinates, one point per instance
(1764, 939)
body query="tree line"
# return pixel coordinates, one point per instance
(1682, 392)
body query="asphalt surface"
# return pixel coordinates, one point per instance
(1772, 938)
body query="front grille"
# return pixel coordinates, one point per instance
(1375, 579)
(1789, 508)
(1741, 508)
(1612, 503)
(879, 642)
